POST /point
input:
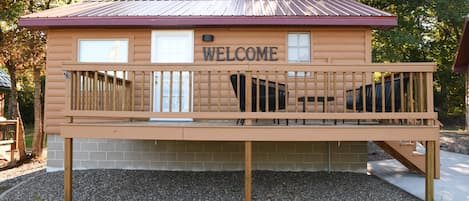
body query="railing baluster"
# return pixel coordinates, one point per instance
(191, 87)
(132, 92)
(315, 92)
(180, 91)
(170, 91)
(161, 90)
(124, 90)
(393, 99)
(267, 106)
(105, 102)
(411, 91)
(334, 80)
(421, 103)
(142, 92)
(401, 89)
(114, 91)
(344, 91)
(285, 74)
(305, 92)
(383, 94)
(326, 92)
(363, 91)
(238, 90)
(219, 91)
(354, 93)
(296, 90)
(276, 92)
(258, 89)
(373, 93)
(95, 91)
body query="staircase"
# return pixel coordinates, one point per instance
(406, 153)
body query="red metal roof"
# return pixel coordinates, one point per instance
(211, 12)
(461, 62)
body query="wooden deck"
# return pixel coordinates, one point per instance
(378, 102)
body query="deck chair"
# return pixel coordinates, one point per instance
(282, 95)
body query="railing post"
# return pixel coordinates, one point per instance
(68, 158)
(429, 170)
(248, 100)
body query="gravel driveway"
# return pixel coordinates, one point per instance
(144, 185)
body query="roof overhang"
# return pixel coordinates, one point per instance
(461, 62)
(192, 21)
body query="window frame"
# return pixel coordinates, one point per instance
(298, 47)
(101, 39)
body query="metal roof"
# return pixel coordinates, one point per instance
(461, 62)
(5, 82)
(211, 12)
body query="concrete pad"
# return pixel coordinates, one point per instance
(452, 185)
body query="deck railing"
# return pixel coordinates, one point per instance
(401, 92)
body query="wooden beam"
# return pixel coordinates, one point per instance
(68, 157)
(247, 170)
(430, 170)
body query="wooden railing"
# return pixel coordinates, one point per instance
(261, 91)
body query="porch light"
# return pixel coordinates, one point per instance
(207, 37)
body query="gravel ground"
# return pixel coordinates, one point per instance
(144, 185)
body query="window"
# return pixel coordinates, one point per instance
(298, 49)
(172, 46)
(103, 50)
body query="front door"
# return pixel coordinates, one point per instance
(175, 46)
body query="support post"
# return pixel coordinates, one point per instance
(429, 170)
(247, 170)
(68, 157)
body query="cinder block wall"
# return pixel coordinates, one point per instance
(207, 156)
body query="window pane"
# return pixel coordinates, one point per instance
(292, 54)
(103, 51)
(304, 39)
(303, 54)
(292, 40)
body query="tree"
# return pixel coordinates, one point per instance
(22, 52)
(428, 30)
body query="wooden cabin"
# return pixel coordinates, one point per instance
(229, 85)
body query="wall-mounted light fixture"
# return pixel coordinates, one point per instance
(207, 37)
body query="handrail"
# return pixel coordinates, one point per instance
(373, 67)
(251, 115)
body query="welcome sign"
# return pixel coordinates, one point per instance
(240, 53)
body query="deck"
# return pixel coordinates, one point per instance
(243, 102)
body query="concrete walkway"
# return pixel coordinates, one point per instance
(453, 184)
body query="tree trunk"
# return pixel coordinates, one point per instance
(13, 109)
(38, 131)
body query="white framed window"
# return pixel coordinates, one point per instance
(103, 50)
(172, 46)
(299, 49)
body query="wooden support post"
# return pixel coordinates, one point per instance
(247, 170)
(429, 170)
(68, 169)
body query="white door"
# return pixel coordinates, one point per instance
(172, 47)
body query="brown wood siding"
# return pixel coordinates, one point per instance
(328, 45)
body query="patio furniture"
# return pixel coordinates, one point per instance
(378, 96)
(282, 94)
(322, 99)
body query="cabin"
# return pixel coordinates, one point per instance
(199, 85)
(461, 62)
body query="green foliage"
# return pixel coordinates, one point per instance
(428, 30)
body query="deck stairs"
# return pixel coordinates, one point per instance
(411, 154)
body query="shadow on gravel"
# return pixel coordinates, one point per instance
(214, 186)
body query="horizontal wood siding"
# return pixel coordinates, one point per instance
(328, 45)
